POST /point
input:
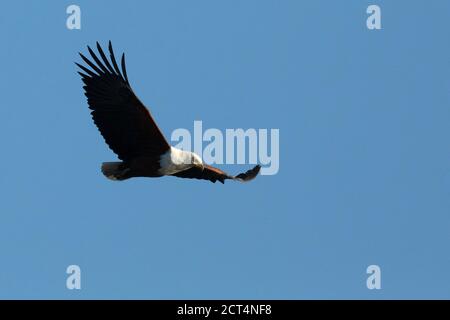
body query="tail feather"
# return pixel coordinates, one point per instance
(115, 170)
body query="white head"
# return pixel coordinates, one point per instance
(196, 160)
(176, 160)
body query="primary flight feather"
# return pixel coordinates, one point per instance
(131, 132)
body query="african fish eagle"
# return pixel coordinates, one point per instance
(131, 132)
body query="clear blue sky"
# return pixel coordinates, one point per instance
(364, 119)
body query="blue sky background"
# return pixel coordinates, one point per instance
(364, 119)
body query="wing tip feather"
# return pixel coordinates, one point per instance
(249, 174)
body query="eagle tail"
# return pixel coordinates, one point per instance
(115, 170)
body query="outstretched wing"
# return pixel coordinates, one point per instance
(213, 174)
(123, 120)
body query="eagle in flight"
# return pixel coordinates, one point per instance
(131, 132)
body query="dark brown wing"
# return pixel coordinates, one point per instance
(124, 122)
(213, 174)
